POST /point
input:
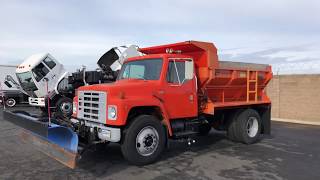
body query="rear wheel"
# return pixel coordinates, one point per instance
(144, 140)
(246, 126)
(232, 131)
(10, 102)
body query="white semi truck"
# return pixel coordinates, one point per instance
(41, 76)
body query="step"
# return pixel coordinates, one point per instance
(252, 91)
(184, 134)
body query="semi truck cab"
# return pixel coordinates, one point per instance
(35, 72)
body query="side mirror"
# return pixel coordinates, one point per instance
(8, 84)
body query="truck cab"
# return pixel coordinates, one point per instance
(154, 81)
(34, 73)
(167, 80)
(162, 85)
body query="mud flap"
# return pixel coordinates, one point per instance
(266, 120)
(58, 142)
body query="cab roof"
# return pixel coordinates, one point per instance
(31, 62)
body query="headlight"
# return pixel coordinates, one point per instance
(74, 108)
(112, 112)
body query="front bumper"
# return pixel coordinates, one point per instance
(109, 134)
(106, 133)
(41, 102)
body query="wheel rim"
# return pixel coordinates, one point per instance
(147, 141)
(252, 126)
(11, 102)
(66, 107)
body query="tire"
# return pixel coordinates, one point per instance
(140, 132)
(232, 131)
(248, 126)
(11, 102)
(64, 106)
(204, 129)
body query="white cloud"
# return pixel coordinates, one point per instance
(309, 67)
(296, 56)
(81, 31)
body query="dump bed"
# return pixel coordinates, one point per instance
(236, 82)
(223, 84)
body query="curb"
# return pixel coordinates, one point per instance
(296, 121)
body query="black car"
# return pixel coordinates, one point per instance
(12, 97)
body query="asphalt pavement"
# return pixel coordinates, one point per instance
(291, 152)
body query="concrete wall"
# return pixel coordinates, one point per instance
(295, 97)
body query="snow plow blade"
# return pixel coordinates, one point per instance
(58, 142)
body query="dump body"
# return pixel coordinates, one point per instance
(236, 83)
(223, 84)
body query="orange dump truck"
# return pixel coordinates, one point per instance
(173, 91)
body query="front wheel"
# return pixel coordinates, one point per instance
(64, 107)
(144, 140)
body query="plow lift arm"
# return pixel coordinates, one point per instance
(58, 138)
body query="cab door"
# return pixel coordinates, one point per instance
(56, 72)
(180, 96)
(41, 72)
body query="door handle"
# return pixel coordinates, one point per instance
(161, 91)
(191, 97)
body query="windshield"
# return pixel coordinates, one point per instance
(148, 69)
(26, 81)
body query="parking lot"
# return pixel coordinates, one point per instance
(291, 152)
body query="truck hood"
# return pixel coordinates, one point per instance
(130, 87)
(108, 59)
(114, 58)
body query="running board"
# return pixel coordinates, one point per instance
(184, 134)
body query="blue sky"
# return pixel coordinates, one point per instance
(284, 33)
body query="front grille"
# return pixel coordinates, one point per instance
(92, 106)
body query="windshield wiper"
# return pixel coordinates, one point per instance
(141, 77)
